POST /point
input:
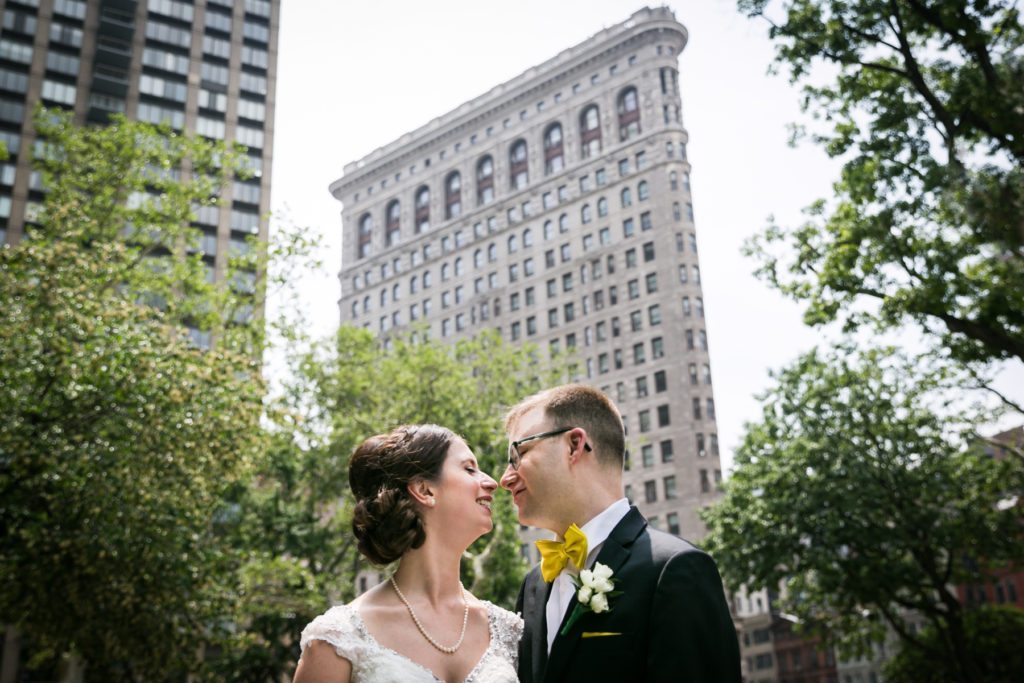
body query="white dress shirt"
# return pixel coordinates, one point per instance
(563, 591)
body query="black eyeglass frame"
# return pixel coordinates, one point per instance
(515, 457)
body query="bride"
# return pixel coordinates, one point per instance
(422, 499)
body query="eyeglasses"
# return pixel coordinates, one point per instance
(515, 457)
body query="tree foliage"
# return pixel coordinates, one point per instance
(119, 435)
(865, 503)
(922, 101)
(295, 519)
(997, 631)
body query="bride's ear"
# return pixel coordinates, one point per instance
(422, 492)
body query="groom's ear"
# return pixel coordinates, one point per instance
(578, 443)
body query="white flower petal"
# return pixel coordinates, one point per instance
(599, 603)
(584, 594)
(587, 577)
(602, 571)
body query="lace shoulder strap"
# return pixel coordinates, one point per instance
(338, 627)
(508, 629)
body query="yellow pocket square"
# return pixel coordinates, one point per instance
(599, 634)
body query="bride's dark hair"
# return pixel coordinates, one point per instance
(386, 520)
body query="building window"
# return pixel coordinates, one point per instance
(602, 207)
(590, 132)
(453, 195)
(422, 209)
(654, 314)
(518, 165)
(651, 491)
(670, 487)
(667, 454)
(365, 235)
(629, 114)
(664, 417)
(660, 381)
(554, 155)
(705, 482)
(642, 192)
(626, 197)
(672, 519)
(647, 455)
(585, 214)
(485, 180)
(393, 225)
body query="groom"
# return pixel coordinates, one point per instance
(656, 608)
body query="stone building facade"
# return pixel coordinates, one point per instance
(556, 208)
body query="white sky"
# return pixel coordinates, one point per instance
(355, 75)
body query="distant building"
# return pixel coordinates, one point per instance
(556, 208)
(208, 67)
(1003, 585)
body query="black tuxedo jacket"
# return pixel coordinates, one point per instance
(671, 621)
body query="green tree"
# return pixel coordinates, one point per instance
(295, 519)
(995, 630)
(853, 492)
(922, 101)
(120, 436)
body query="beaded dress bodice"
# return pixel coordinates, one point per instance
(343, 629)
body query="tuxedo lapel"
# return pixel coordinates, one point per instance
(534, 602)
(613, 554)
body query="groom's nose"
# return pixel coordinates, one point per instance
(507, 477)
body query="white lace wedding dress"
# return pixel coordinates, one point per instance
(343, 628)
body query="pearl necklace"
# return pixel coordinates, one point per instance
(416, 620)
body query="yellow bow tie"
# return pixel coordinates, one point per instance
(555, 554)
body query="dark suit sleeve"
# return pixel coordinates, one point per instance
(692, 637)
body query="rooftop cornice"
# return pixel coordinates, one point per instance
(472, 114)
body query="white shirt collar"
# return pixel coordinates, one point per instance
(598, 529)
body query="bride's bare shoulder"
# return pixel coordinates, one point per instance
(321, 663)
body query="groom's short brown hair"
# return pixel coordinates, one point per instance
(579, 405)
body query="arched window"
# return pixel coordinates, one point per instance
(641, 190)
(492, 252)
(627, 197)
(365, 235)
(673, 180)
(396, 292)
(453, 195)
(393, 222)
(527, 238)
(512, 245)
(414, 283)
(459, 267)
(355, 308)
(485, 180)
(366, 303)
(590, 132)
(629, 114)
(518, 166)
(549, 230)
(478, 258)
(602, 207)
(422, 209)
(426, 279)
(585, 214)
(563, 223)
(445, 272)
(554, 155)
(383, 297)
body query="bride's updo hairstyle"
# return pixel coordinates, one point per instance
(386, 520)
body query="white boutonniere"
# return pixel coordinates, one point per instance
(594, 589)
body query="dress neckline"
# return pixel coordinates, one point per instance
(491, 644)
